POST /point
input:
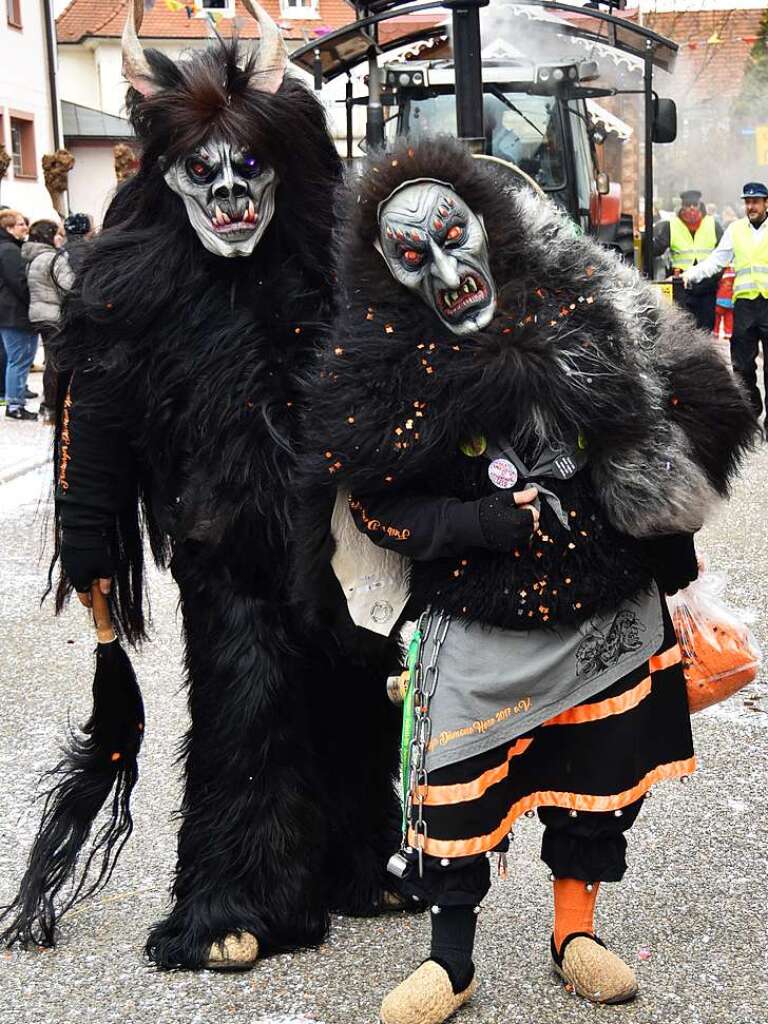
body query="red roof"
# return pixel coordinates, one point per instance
(106, 18)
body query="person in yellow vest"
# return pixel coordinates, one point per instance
(691, 236)
(745, 244)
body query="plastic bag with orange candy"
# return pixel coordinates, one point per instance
(720, 654)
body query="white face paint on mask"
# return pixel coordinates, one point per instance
(434, 244)
(229, 196)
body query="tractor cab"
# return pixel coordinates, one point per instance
(525, 98)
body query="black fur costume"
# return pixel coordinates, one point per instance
(579, 348)
(184, 371)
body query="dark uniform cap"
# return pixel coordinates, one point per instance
(754, 190)
(690, 198)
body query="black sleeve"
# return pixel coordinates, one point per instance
(13, 272)
(425, 528)
(661, 236)
(95, 473)
(672, 560)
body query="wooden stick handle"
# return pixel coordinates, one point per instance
(101, 617)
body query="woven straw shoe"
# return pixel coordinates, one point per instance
(593, 971)
(236, 952)
(425, 997)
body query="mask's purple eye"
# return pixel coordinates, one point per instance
(251, 165)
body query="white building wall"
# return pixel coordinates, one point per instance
(24, 87)
(77, 78)
(92, 180)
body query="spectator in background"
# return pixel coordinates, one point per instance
(18, 336)
(690, 237)
(48, 276)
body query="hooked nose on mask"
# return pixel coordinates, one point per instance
(444, 267)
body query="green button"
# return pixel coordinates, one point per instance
(474, 446)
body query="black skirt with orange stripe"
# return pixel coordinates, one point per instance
(600, 756)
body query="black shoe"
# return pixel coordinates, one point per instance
(20, 414)
(29, 394)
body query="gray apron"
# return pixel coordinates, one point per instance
(495, 684)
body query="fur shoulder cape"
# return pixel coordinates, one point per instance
(580, 346)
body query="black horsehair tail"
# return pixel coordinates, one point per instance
(100, 761)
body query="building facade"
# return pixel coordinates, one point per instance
(27, 121)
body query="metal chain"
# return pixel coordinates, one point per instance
(424, 687)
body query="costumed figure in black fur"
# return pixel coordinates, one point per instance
(530, 442)
(193, 317)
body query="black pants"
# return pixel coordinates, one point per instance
(702, 309)
(750, 326)
(589, 846)
(50, 376)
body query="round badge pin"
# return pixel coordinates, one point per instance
(503, 474)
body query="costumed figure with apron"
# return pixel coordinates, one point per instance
(529, 442)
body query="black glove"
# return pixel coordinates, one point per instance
(503, 523)
(87, 555)
(672, 560)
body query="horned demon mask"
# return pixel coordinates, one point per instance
(435, 245)
(229, 196)
(227, 190)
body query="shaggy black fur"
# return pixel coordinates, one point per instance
(579, 347)
(187, 366)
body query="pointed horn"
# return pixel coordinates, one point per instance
(136, 70)
(273, 55)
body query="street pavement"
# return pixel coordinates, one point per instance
(24, 446)
(690, 916)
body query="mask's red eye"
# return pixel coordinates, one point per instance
(198, 169)
(412, 256)
(454, 233)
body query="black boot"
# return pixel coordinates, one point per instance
(20, 413)
(453, 940)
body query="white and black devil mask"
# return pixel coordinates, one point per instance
(229, 196)
(435, 245)
(228, 191)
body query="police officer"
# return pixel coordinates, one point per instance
(691, 236)
(745, 244)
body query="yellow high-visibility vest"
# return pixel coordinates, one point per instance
(687, 249)
(750, 261)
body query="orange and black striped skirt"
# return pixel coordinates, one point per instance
(601, 755)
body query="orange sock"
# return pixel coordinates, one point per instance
(574, 908)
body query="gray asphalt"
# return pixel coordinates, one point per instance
(695, 896)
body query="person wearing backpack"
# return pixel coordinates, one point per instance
(49, 276)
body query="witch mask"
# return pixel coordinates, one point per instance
(229, 196)
(435, 245)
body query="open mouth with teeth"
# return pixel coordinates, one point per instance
(472, 292)
(235, 222)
